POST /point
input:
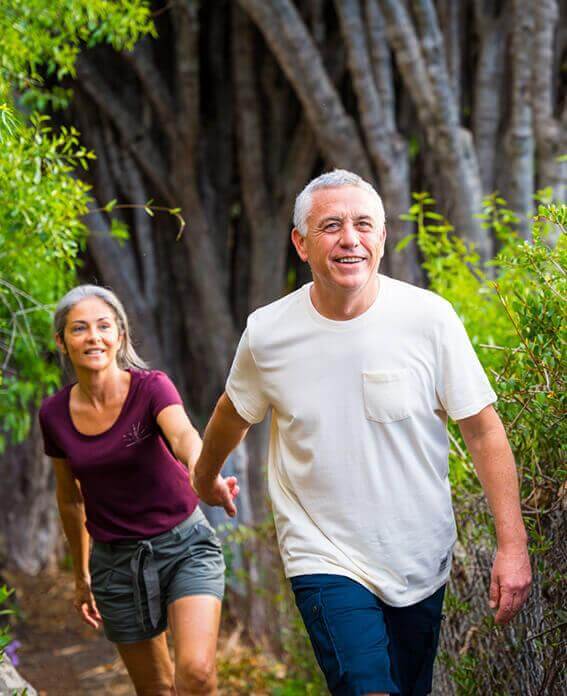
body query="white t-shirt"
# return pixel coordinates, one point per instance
(357, 468)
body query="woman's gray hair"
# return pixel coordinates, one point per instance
(335, 179)
(126, 355)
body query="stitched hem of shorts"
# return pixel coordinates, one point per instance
(195, 593)
(147, 636)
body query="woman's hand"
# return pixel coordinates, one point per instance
(85, 604)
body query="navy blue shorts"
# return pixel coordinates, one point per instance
(363, 645)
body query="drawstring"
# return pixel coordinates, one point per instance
(143, 560)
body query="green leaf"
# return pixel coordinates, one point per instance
(403, 243)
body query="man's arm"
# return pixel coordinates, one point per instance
(487, 443)
(224, 431)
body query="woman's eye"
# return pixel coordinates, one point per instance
(77, 329)
(104, 327)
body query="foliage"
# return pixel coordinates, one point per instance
(42, 202)
(514, 312)
(44, 36)
(41, 233)
(5, 636)
(299, 673)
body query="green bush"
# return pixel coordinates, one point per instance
(514, 312)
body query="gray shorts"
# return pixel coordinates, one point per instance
(133, 582)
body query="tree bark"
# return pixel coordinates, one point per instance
(288, 38)
(551, 172)
(387, 149)
(488, 95)
(424, 69)
(518, 186)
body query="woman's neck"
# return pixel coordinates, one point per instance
(97, 387)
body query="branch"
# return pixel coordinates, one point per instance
(404, 41)
(186, 27)
(369, 105)
(288, 38)
(381, 61)
(154, 86)
(268, 244)
(298, 167)
(492, 29)
(134, 137)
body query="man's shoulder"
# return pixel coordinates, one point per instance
(415, 300)
(272, 314)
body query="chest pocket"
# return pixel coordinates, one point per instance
(386, 395)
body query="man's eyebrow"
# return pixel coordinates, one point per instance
(330, 218)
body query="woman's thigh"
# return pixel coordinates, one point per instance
(149, 666)
(194, 624)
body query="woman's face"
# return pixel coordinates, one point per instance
(91, 338)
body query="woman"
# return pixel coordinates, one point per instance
(123, 449)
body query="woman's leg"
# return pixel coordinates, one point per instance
(194, 623)
(149, 666)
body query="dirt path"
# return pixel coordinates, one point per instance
(61, 656)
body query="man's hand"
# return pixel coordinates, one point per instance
(221, 491)
(85, 604)
(509, 583)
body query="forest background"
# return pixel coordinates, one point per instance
(157, 148)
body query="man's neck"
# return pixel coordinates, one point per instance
(338, 305)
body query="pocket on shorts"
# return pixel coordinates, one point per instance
(386, 395)
(101, 570)
(202, 531)
(311, 608)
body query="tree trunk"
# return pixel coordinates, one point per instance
(29, 529)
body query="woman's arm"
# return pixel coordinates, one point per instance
(72, 512)
(183, 439)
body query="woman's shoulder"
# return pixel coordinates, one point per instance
(52, 405)
(148, 378)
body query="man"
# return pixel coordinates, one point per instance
(360, 372)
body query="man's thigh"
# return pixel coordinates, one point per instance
(413, 634)
(346, 626)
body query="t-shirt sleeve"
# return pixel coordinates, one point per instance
(50, 446)
(244, 384)
(162, 393)
(462, 385)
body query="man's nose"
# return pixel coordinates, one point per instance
(349, 236)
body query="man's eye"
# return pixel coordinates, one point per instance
(365, 224)
(332, 227)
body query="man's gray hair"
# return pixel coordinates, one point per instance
(126, 355)
(335, 179)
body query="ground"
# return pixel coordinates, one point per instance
(61, 656)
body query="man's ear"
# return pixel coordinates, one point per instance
(383, 241)
(298, 241)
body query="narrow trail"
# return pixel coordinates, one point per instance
(61, 656)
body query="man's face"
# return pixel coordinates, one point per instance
(344, 243)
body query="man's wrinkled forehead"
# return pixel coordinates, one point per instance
(347, 202)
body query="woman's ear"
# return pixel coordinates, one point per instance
(60, 344)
